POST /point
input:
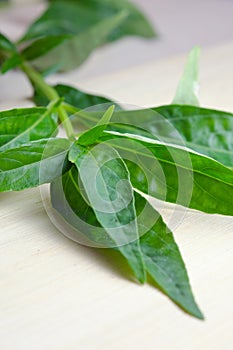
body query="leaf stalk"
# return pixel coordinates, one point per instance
(37, 80)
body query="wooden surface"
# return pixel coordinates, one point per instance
(56, 294)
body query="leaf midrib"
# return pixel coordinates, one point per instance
(31, 164)
(179, 165)
(126, 169)
(43, 116)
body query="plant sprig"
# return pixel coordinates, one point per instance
(180, 153)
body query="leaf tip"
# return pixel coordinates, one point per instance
(107, 115)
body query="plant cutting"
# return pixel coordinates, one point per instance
(111, 159)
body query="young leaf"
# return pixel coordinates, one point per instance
(67, 199)
(19, 126)
(187, 90)
(90, 23)
(32, 164)
(179, 175)
(72, 96)
(162, 258)
(105, 179)
(91, 135)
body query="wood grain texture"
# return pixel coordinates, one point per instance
(56, 294)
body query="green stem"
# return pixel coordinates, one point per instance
(66, 123)
(52, 95)
(37, 80)
(71, 109)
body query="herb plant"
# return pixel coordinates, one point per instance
(111, 159)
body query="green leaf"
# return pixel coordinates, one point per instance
(105, 179)
(162, 257)
(8, 54)
(206, 131)
(67, 199)
(43, 45)
(72, 96)
(91, 135)
(187, 90)
(6, 45)
(74, 17)
(72, 52)
(19, 126)
(135, 24)
(32, 164)
(175, 174)
(90, 24)
(12, 62)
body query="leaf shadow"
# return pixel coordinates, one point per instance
(110, 259)
(107, 258)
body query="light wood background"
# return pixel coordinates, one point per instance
(56, 294)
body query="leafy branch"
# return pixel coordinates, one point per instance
(111, 159)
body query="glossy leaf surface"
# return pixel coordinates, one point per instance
(91, 135)
(162, 258)
(68, 200)
(161, 255)
(19, 126)
(106, 182)
(177, 175)
(204, 130)
(32, 164)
